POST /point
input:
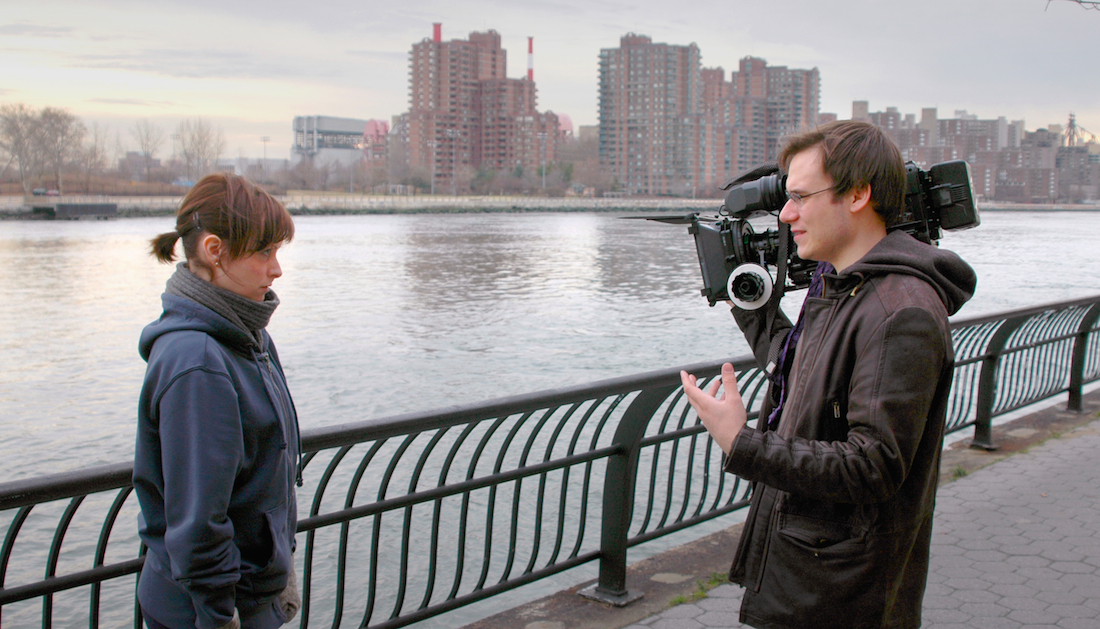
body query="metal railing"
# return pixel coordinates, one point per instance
(409, 517)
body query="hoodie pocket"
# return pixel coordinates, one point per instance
(270, 578)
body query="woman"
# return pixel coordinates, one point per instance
(218, 450)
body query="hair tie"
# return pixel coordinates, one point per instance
(190, 227)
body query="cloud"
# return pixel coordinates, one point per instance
(387, 56)
(34, 30)
(201, 64)
(132, 101)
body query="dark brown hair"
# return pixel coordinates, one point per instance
(232, 208)
(856, 154)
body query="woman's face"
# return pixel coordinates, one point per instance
(250, 276)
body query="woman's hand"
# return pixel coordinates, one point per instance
(234, 623)
(722, 416)
(289, 600)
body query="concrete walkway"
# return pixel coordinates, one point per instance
(1016, 546)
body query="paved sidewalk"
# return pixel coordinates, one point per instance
(1016, 545)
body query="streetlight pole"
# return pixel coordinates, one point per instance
(453, 135)
(542, 149)
(432, 145)
(263, 165)
(175, 143)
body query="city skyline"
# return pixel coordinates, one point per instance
(251, 67)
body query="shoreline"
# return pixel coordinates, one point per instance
(18, 207)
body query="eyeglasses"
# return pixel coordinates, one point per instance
(799, 199)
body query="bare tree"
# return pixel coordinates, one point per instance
(149, 138)
(93, 158)
(324, 172)
(18, 128)
(61, 135)
(201, 144)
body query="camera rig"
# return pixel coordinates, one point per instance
(735, 259)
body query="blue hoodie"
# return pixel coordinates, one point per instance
(214, 470)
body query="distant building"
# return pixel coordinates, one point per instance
(337, 141)
(651, 114)
(375, 140)
(465, 114)
(670, 126)
(135, 164)
(756, 110)
(1007, 162)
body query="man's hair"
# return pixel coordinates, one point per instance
(856, 154)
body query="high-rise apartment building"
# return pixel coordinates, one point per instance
(465, 114)
(670, 126)
(650, 110)
(767, 103)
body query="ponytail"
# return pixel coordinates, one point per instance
(164, 246)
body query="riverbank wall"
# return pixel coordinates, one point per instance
(18, 206)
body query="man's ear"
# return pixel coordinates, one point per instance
(861, 198)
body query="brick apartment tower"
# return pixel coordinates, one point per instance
(751, 114)
(651, 99)
(670, 126)
(465, 114)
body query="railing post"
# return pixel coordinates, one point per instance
(618, 499)
(987, 384)
(1077, 363)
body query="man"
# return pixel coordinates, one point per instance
(845, 457)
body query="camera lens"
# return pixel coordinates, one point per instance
(747, 287)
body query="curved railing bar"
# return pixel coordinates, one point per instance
(314, 509)
(562, 488)
(566, 474)
(414, 482)
(536, 536)
(101, 551)
(444, 473)
(492, 504)
(433, 544)
(376, 534)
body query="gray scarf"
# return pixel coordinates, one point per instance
(249, 315)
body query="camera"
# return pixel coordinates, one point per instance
(734, 258)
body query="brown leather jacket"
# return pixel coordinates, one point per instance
(840, 523)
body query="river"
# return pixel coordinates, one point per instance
(387, 314)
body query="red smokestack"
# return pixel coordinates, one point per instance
(437, 32)
(531, 59)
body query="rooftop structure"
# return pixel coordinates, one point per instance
(327, 139)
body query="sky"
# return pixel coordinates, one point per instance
(250, 66)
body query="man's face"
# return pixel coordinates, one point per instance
(821, 224)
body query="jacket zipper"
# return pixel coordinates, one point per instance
(285, 412)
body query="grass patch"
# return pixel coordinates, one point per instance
(701, 589)
(958, 472)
